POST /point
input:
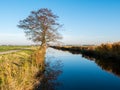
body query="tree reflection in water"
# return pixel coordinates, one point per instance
(49, 76)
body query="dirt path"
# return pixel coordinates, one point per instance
(11, 51)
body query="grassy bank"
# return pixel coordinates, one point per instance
(107, 56)
(104, 51)
(18, 70)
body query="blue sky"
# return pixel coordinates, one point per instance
(85, 21)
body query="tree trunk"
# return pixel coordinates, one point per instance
(42, 50)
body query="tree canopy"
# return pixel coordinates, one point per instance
(41, 26)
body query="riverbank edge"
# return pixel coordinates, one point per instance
(86, 51)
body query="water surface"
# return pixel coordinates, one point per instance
(79, 73)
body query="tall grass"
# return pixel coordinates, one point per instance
(18, 70)
(109, 50)
(105, 51)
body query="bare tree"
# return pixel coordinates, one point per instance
(41, 26)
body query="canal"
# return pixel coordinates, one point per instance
(67, 71)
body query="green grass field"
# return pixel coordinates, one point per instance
(7, 48)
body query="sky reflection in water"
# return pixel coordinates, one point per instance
(79, 73)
